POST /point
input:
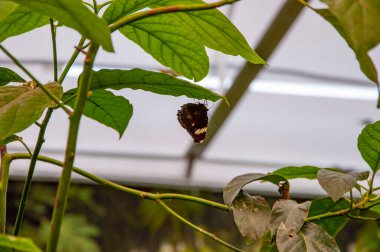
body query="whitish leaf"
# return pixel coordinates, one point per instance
(290, 213)
(109, 109)
(334, 224)
(9, 243)
(7, 75)
(336, 184)
(214, 29)
(232, 189)
(25, 108)
(158, 83)
(74, 14)
(357, 23)
(311, 238)
(19, 21)
(170, 44)
(251, 215)
(369, 145)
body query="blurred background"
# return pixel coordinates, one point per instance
(306, 107)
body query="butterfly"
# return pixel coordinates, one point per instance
(193, 117)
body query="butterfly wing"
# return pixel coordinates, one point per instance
(193, 117)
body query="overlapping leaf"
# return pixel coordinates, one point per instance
(291, 214)
(18, 111)
(251, 215)
(105, 107)
(336, 184)
(19, 21)
(293, 172)
(7, 75)
(311, 238)
(158, 83)
(74, 14)
(9, 243)
(369, 145)
(232, 189)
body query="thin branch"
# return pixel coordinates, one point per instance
(54, 42)
(362, 218)
(44, 89)
(4, 168)
(19, 139)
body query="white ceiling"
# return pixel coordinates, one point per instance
(284, 120)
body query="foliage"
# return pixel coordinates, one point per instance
(176, 34)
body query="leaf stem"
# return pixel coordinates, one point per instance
(195, 227)
(54, 42)
(71, 61)
(29, 177)
(370, 189)
(64, 181)
(19, 139)
(4, 168)
(44, 89)
(166, 9)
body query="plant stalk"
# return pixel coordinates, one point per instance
(54, 42)
(64, 181)
(71, 60)
(4, 168)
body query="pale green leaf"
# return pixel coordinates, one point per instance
(8, 243)
(293, 172)
(25, 108)
(369, 145)
(7, 75)
(74, 14)
(6, 8)
(170, 44)
(21, 20)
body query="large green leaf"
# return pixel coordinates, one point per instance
(232, 189)
(251, 215)
(158, 83)
(9, 93)
(6, 8)
(334, 224)
(19, 21)
(170, 44)
(74, 14)
(105, 107)
(336, 184)
(369, 145)
(289, 213)
(357, 23)
(7, 75)
(120, 8)
(8, 243)
(25, 108)
(214, 29)
(293, 172)
(311, 238)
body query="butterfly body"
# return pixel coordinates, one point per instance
(193, 117)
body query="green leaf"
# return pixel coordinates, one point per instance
(74, 14)
(331, 225)
(311, 238)
(158, 83)
(232, 189)
(21, 20)
(170, 44)
(251, 215)
(369, 145)
(24, 108)
(19, 243)
(293, 172)
(6, 8)
(357, 23)
(9, 93)
(105, 107)
(121, 8)
(7, 75)
(336, 184)
(214, 29)
(289, 213)
(267, 244)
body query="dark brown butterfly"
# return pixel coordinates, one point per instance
(193, 117)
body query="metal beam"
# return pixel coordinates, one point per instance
(267, 45)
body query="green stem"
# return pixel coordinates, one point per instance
(95, 4)
(351, 200)
(370, 190)
(64, 181)
(196, 228)
(25, 145)
(44, 89)
(362, 218)
(139, 193)
(54, 42)
(4, 168)
(29, 177)
(71, 60)
(166, 9)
